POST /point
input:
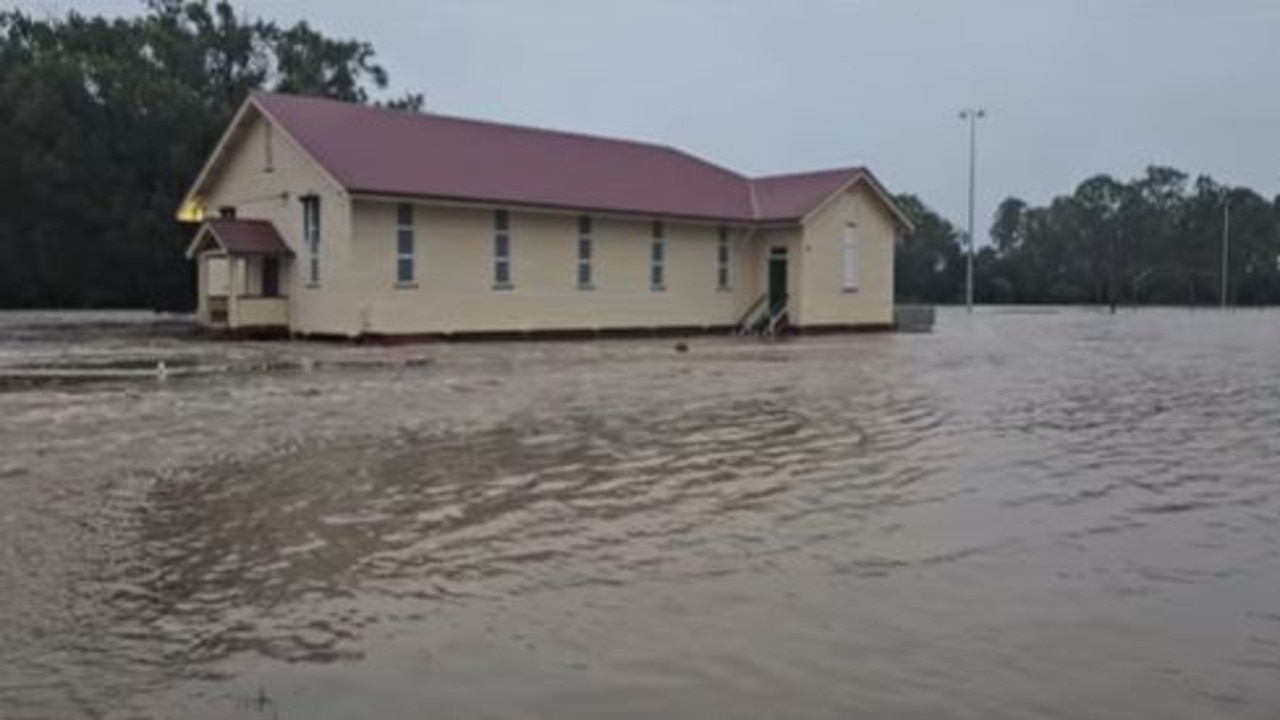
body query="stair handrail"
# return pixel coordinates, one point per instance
(778, 317)
(748, 317)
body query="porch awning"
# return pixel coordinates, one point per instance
(239, 237)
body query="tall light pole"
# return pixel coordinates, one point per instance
(1226, 243)
(972, 115)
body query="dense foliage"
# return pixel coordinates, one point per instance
(104, 123)
(1154, 240)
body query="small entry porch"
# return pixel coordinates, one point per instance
(243, 271)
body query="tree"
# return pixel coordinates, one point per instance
(105, 123)
(1153, 239)
(929, 261)
(1009, 230)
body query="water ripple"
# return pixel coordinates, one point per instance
(1005, 519)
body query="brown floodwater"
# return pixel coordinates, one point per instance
(1056, 514)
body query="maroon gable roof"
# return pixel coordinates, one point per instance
(793, 196)
(401, 153)
(248, 237)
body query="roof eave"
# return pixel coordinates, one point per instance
(238, 122)
(209, 229)
(212, 161)
(196, 241)
(864, 175)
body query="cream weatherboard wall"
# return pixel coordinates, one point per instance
(267, 184)
(453, 288)
(822, 298)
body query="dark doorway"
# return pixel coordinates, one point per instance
(777, 279)
(270, 276)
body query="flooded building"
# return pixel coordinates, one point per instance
(318, 217)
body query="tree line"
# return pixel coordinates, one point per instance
(105, 122)
(1155, 239)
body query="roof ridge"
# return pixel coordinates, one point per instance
(806, 173)
(755, 202)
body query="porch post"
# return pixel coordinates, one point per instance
(233, 290)
(202, 288)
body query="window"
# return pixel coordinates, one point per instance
(404, 244)
(501, 250)
(584, 253)
(268, 154)
(722, 260)
(850, 258)
(311, 236)
(227, 212)
(658, 257)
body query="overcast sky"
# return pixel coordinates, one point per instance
(1072, 87)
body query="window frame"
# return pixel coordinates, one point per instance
(586, 253)
(502, 275)
(850, 259)
(724, 260)
(405, 230)
(658, 257)
(268, 149)
(311, 234)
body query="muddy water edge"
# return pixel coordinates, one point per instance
(1062, 514)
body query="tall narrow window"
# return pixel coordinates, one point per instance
(311, 235)
(501, 250)
(268, 152)
(850, 265)
(584, 253)
(722, 260)
(404, 244)
(658, 257)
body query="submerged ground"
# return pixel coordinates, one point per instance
(1051, 514)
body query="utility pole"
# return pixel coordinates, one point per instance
(972, 115)
(1226, 244)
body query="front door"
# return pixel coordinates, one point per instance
(270, 276)
(777, 279)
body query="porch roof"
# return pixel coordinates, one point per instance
(240, 237)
